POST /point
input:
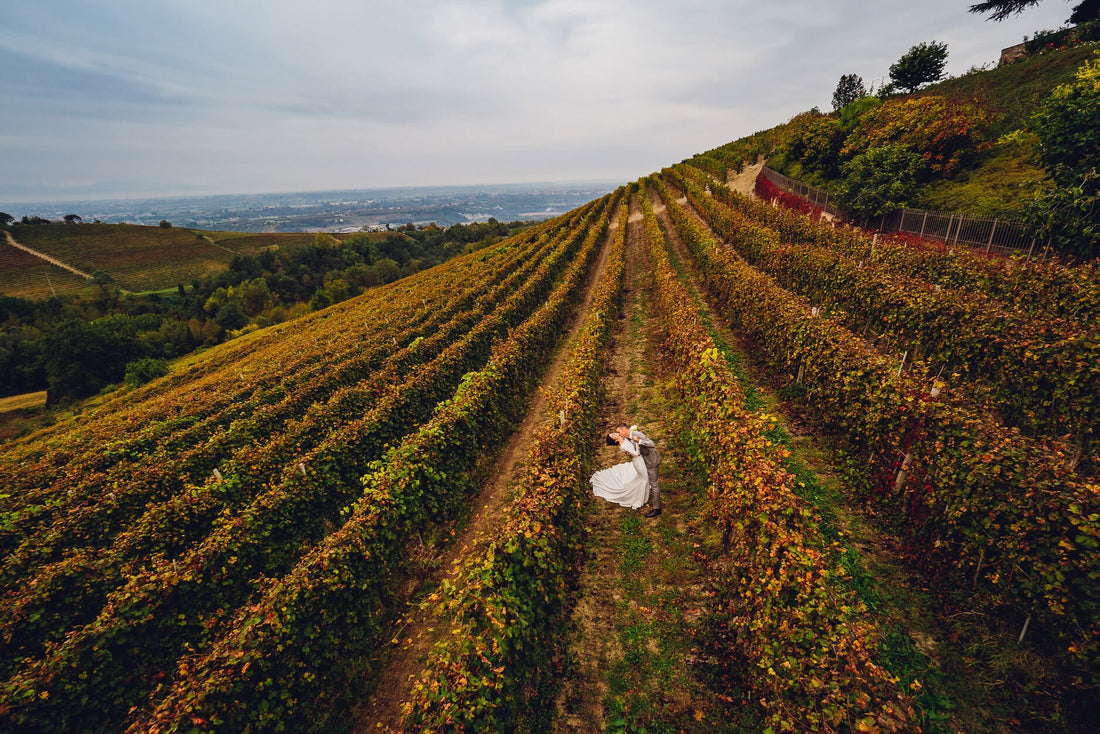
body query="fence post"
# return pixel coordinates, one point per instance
(923, 222)
(992, 230)
(947, 235)
(1031, 249)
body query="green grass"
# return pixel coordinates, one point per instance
(1000, 184)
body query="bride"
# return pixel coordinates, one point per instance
(624, 484)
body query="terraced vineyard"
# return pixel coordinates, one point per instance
(335, 523)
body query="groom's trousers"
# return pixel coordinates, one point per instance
(654, 488)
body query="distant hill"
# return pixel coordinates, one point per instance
(137, 258)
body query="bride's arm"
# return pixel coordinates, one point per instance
(628, 446)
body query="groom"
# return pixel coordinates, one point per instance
(652, 460)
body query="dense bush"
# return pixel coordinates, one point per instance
(944, 132)
(1068, 129)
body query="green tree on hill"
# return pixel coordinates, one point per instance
(848, 90)
(6, 219)
(922, 64)
(73, 218)
(1067, 125)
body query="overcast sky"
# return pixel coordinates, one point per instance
(150, 97)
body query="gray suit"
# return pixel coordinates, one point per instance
(652, 460)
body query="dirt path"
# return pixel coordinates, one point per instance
(44, 256)
(416, 632)
(745, 182)
(633, 655)
(211, 241)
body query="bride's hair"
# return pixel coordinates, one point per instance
(610, 441)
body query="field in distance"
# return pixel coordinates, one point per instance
(138, 258)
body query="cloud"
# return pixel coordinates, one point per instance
(262, 95)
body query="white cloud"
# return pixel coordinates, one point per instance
(284, 95)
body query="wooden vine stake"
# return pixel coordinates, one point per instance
(561, 418)
(302, 468)
(217, 474)
(1023, 632)
(902, 365)
(903, 472)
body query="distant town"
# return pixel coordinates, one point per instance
(333, 211)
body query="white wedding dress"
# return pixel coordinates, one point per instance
(624, 484)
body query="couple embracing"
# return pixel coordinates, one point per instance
(635, 482)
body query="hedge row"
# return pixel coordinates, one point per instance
(282, 658)
(63, 595)
(106, 667)
(1047, 287)
(987, 507)
(493, 668)
(784, 623)
(208, 390)
(1041, 375)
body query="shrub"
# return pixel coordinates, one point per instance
(941, 130)
(1067, 126)
(880, 180)
(145, 370)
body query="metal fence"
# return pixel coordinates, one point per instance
(814, 195)
(989, 234)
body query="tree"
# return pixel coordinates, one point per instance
(6, 218)
(387, 270)
(881, 180)
(848, 90)
(165, 224)
(1067, 126)
(322, 299)
(144, 370)
(231, 316)
(1003, 9)
(921, 65)
(73, 218)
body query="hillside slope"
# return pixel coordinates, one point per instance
(137, 258)
(994, 172)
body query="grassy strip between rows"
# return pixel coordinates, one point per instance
(493, 670)
(284, 657)
(984, 504)
(107, 666)
(1041, 373)
(784, 622)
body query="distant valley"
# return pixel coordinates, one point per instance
(334, 211)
